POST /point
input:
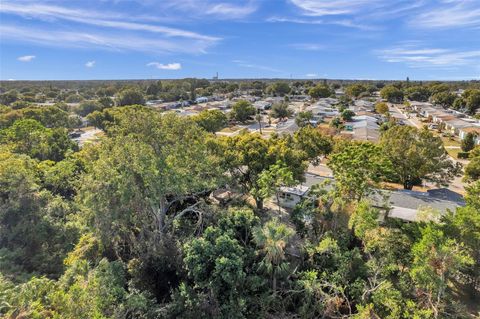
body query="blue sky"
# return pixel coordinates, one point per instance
(135, 39)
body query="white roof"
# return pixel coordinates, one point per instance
(299, 190)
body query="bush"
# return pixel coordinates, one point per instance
(463, 155)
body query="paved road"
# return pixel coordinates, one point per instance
(397, 113)
(288, 126)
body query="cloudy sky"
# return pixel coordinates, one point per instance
(132, 39)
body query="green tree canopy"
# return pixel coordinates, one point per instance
(130, 97)
(211, 120)
(417, 154)
(30, 137)
(280, 110)
(358, 168)
(246, 156)
(355, 90)
(472, 170)
(242, 111)
(152, 163)
(392, 94)
(381, 108)
(320, 91)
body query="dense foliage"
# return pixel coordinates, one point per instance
(134, 225)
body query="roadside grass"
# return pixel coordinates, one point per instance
(231, 129)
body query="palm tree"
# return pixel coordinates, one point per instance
(258, 117)
(272, 239)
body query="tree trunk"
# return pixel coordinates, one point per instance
(259, 203)
(274, 282)
(407, 184)
(162, 215)
(278, 202)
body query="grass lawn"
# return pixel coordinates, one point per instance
(453, 152)
(452, 146)
(449, 142)
(230, 129)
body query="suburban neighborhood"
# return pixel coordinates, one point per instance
(240, 159)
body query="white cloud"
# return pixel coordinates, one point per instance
(231, 11)
(308, 46)
(418, 57)
(311, 75)
(95, 18)
(341, 22)
(109, 32)
(330, 7)
(90, 64)
(461, 13)
(26, 58)
(223, 10)
(168, 66)
(102, 40)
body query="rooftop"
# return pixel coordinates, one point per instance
(299, 190)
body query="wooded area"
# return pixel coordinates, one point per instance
(129, 226)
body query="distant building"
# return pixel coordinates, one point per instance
(201, 99)
(262, 105)
(471, 129)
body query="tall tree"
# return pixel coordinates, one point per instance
(242, 111)
(280, 110)
(28, 136)
(303, 119)
(355, 90)
(153, 164)
(437, 260)
(320, 91)
(381, 108)
(211, 120)
(468, 142)
(392, 94)
(130, 97)
(417, 154)
(246, 156)
(472, 170)
(358, 168)
(315, 144)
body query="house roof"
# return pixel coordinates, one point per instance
(406, 204)
(446, 117)
(471, 129)
(299, 190)
(458, 123)
(364, 127)
(366, 134)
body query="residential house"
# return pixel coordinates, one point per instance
(364, 128)
(201, 99)
(470, 129)
(411, 206)
(289, 197)
(262, 105)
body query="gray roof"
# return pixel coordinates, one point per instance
(404, 204)
(414, 200)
